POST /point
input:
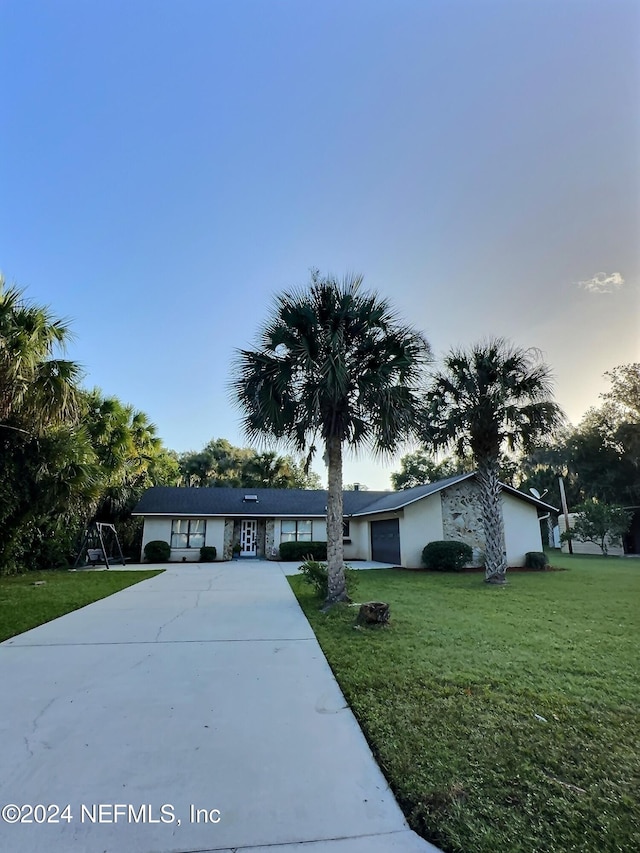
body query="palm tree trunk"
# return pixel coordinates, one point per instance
(335, 547)
(493, 521)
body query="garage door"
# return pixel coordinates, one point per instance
(385, 541)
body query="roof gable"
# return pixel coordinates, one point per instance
(393, 501)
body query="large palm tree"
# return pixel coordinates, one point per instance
(126, 448)
(335, 365)
(487, 398)
(37, 390)
(38, 417)
(268, 470)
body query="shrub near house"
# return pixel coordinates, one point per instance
(536, 560)
(316, 575)
(208, 554)
(447, 556)
(157, 551)
(302, 550)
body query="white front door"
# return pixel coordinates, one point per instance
(248, 537)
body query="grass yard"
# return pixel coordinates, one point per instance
(24, 606)
(448, 695)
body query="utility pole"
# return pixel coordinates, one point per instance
(563, 498)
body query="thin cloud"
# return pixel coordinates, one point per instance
(603, 282)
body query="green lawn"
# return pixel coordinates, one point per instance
(447, 697)
(23, 605)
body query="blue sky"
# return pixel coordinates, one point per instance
(167, 167)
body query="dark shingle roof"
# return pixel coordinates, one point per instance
(391, 501)
(177, 500)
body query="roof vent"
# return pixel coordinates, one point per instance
(250, 498)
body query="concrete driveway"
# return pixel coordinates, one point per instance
(192, 712)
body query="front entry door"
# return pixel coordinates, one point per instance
(248, 537)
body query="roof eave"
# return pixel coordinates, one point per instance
(196, 514)
(419, 498)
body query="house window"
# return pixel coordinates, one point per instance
(188, 532)
(295, 531)
(346, 525)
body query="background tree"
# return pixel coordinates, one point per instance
(43, 454)
(36, 388)
(271, 471)
(540, 466)
(600, 458)
(219, 463)
(421, 467)
(489, 398)
(66, 455)
(130, 458)
(333, 365)
(624, 394)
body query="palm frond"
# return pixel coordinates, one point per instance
(492, 394)
(325, 364)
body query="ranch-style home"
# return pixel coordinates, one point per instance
(391, 527)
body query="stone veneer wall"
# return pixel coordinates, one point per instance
(260, 539)
(462, 517)
(227, 553)
(270, 540)
(237, 528)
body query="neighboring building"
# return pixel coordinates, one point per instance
(391, 527)
(632, 538)
(630, 543)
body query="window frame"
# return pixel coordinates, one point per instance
(296, 534)
(189, 534)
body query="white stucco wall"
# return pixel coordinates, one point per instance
(155, 529)
(360, 546)
(160, 529)
(521, 529)
(319, 530)
(215, 535)
(420, 524)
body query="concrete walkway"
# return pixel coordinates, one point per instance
(192, 712)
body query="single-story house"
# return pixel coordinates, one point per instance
(392, 527)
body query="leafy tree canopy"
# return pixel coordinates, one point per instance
(220, 463)
(421, 467)
(600, 458)
(37, 387)
(624, 393)
(66, 455)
